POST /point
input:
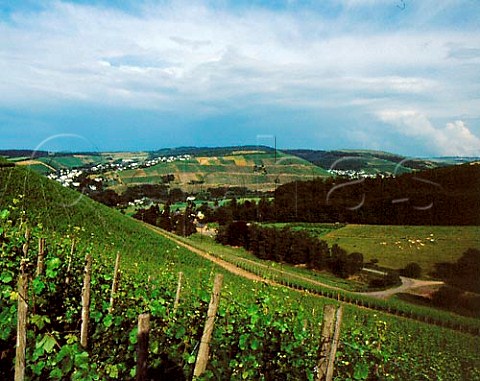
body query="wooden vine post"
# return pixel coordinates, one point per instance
(332, 320)
(21, 323)
(41, 257)
(203, 352)
(86, 301)
(142, 347)
(26, 244)
(177, 295)
(114, 283)
(70, 261)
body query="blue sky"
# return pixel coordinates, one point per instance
(393, 75)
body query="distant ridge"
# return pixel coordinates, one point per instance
(373, 161)
(209, 151)
(23, 153)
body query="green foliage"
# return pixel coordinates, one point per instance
(327, 285)
(442, 196)
(464, 273)
(264, 338)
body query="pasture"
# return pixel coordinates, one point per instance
(396, 246)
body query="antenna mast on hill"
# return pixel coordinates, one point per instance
(275, 138)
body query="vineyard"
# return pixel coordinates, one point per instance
(233, 170)
(261, 332)
(264, 338)
(330, 287)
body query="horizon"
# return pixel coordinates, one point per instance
(346, 150)
(101, 75)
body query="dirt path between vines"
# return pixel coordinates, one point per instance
(407, 283)
(224, 264)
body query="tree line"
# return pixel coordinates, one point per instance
(292, 247)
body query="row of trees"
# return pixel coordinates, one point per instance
(293, 247)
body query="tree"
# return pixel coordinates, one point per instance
(464, 273)
(165, 219)
(238, 234)
(184, 223)
(319, 255)
(338, 261)
(150, 215)
(354, 263)
(412, 270)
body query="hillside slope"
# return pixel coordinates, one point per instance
(66, 212)
(255, 170)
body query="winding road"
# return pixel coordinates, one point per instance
(407, 285)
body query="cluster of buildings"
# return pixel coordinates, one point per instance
(165, 159)
(67, 177)
(70, 177)
(139, 202)
(352, 174)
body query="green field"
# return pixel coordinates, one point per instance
(72, 161)
(270, 269)
(326, 284)
(316, 229)
(40, 168)
(396, 246)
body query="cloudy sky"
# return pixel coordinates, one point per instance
(400, 76)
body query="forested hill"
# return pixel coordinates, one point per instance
(372, 161)
(443, 196)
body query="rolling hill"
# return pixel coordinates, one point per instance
(66, 212)
(373, 162)
(255, 170)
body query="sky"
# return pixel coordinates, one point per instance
(392, 75)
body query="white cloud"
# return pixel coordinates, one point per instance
(198, 54)
(181, 55)
(460, 139)
(453, 139)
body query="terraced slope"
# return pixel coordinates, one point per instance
(254, 170)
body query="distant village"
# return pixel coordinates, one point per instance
(353, 174)
(71, 177)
